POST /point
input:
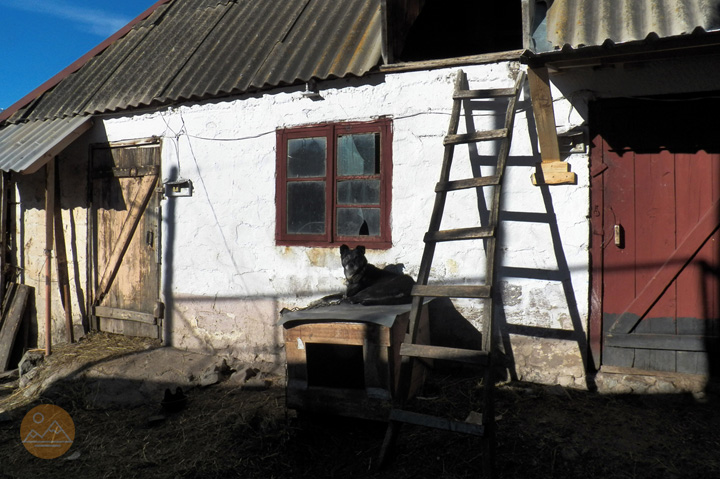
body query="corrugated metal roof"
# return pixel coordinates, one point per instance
(578, 23)
(197, 49)
(26, 147)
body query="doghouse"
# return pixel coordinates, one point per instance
(345, 359)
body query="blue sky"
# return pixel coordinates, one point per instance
(39, 38)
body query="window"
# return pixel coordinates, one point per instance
(333, 185)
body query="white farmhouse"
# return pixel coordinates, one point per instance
(202, 167)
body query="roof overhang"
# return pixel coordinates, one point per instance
(652, 48)
(26, 147)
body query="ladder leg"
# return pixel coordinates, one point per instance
(488, 459)
(488, 439)
(388, 444)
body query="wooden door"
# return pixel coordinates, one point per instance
(125, 240)
(655, 219)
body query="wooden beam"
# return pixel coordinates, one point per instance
(49, 226)
(125, 315)
(4, 197)
(667, 273)
(528, 17)
(137, 207)
(453, 62)
(338, 333)
(668, 342)
(387, 44)
(469, 356)
(132, 172)
(437, 422)
(542, 103)
(19, 295)
(553, 173)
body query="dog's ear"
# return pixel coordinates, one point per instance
(344, 249)
(361, 249)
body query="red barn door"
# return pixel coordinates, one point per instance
(655, 218)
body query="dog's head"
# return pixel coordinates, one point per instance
(353, 260)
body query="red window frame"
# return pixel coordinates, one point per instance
(331, 132)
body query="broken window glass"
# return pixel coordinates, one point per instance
(358, 221)
(359, 154)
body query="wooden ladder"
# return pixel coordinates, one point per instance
(410, 349)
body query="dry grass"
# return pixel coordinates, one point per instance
(228, 431)
(67, 358)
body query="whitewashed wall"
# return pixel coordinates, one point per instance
(28, 242)
(228, 280)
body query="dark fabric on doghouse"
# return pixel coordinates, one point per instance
(384, 315)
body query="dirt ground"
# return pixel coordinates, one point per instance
(232, 431)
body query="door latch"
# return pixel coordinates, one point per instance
(619, 236)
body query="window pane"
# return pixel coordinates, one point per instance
(306, 157)
(306, 207)
(358, 192)
(358, 221)
(359, 154)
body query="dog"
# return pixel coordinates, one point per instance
(369, 285)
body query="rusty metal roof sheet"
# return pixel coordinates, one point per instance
(578, 23)
(199, 49)
(28, 146)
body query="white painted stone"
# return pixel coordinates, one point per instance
(230, 280)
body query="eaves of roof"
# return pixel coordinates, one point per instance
(584, 23)
(574, 33)
(651, 48)
(26, 147)
(200, 49)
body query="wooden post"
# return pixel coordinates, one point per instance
(49, 222)
(552, 170)
(62, 263)
(4, 195)
(542, 103)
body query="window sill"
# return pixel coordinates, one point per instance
(378, 245)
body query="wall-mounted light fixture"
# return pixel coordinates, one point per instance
(178, 188)
(311, 90)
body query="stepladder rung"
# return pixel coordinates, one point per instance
(481, 94)
(467, 183)
(452, 291)
(468, 356)
(435, 422)
(486, 135)
(481, 232)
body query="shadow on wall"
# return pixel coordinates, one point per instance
(28, 233)
(562, 275)
(31, 192)
(180, 330)
(168, 249)
(448, 327)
